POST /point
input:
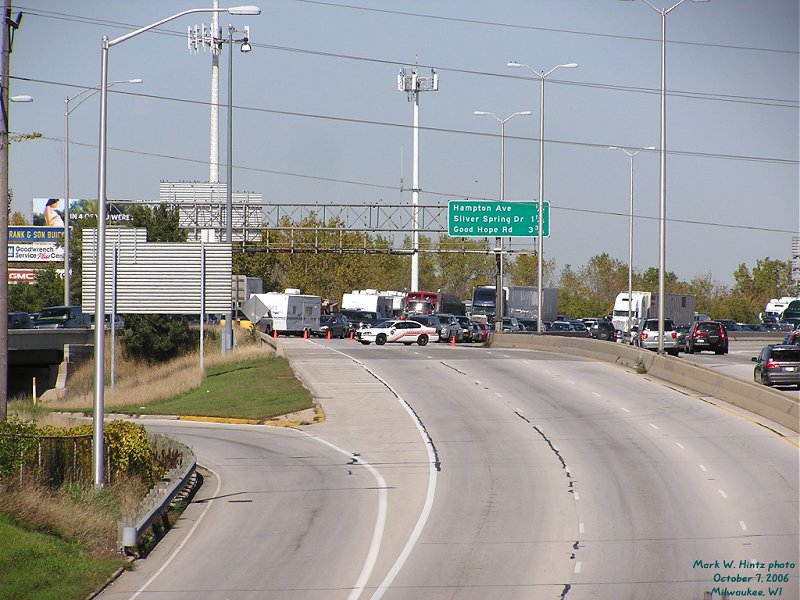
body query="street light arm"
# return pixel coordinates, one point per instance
(236, 10)
(541, 74)
(92, 91)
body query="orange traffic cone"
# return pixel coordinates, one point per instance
(453, 340)
(352, 335)
(327, 337)
(305, 334)
(275, 333)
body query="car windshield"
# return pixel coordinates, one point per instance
(786, 355)
(54, 313)
(652, 324)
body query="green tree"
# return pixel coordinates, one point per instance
(162, 222)
(33, 297)
(157, 338)
(524, 270)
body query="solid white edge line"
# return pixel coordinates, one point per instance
(426, 509)
(380, 520)
(581, 528)
(432, 478)
(578, 567)
(185, 540)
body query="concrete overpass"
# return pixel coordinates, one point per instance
(45, 354)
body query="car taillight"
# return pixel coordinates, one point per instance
(674, 336)
(772, 364)
(644, 335)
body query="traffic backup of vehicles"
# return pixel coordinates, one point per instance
(518, 301)
(679, 308)
(428, 303)
(402, 331)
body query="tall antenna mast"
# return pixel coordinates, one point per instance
(408, 81)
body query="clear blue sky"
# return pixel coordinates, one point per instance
(315, 67)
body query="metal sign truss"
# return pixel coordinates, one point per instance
(321, 228)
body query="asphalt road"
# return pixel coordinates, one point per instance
(483, 474)
(737, 363)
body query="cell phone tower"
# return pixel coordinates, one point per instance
(408, 81)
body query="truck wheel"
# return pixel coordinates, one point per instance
(422, 340)
(380, 340)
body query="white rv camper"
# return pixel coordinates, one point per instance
(292, 312)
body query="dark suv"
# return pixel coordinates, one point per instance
(707, 335)
(778, 364)
(603, 330)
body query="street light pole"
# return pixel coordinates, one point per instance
(99, 330)
(630, 229)
(662, 196)
(499, 299)
(542, 75)
(67, 237)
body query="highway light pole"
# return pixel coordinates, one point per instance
(662, 196)
(87, 93)
(99, 309)
(630, 229)
(245, 47)
(499, 299)
(542, 75)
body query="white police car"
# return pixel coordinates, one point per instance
(406, 332)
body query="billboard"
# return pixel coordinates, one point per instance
(49, 212)
(26, 233)
(37, 252)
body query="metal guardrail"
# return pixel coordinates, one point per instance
(155, 504)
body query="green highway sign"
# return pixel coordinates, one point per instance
(486, 218)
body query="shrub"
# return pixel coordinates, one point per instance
(157, 338)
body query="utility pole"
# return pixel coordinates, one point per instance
(9, 26)
(408, 81)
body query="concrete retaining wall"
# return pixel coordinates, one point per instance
(758, 399)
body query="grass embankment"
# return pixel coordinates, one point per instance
(247, 384)
(256, 389)
(39, 566)
(61, 544)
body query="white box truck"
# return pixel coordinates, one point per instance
(369, 300)
(644, 305)
(292, 313)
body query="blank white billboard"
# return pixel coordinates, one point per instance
(155, 277)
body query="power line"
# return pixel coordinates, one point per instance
(356, 121)
(533, 28)
(709, 96)
(428, 192)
